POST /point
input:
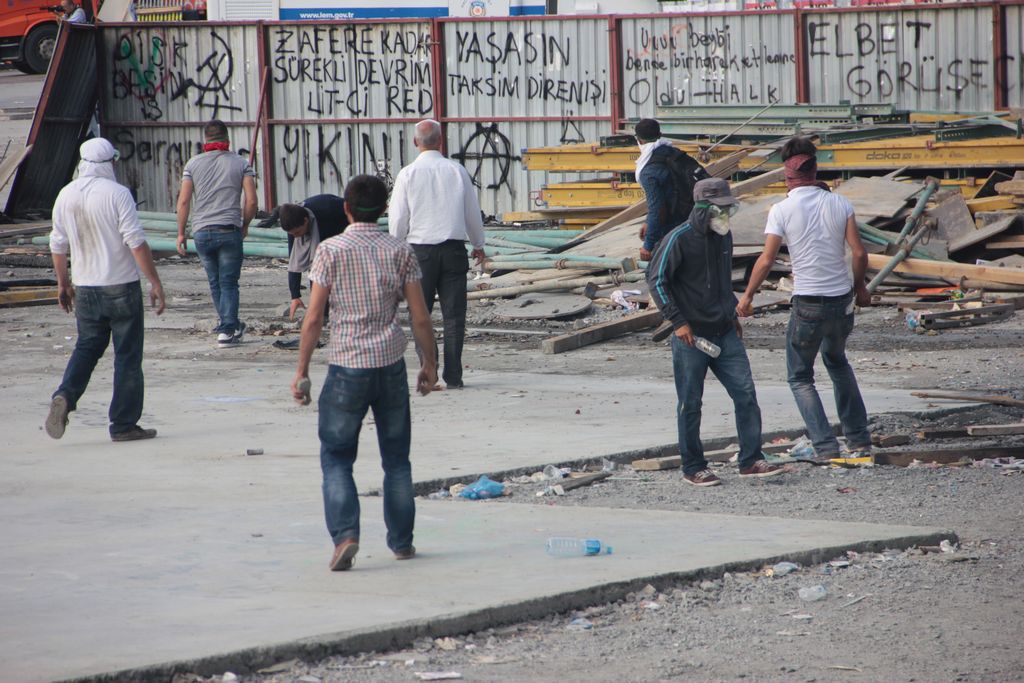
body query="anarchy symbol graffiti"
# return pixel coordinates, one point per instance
(487, 153)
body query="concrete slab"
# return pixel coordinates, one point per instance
(228, 566)
(219, 406)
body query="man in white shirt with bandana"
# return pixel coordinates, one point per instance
(817, 227)
(96, 227)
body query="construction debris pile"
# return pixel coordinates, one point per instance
(947, 251)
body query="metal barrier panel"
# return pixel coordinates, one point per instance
(153, 157)
(179, 73)
(1012, 58)
(513, 84)
(492, 153)
(926, 59)
(538, 68)
(310, 158)
(707, 60)
(343, 100)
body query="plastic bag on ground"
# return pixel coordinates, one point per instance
(482, 488)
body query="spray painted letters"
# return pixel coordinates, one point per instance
(354, 70)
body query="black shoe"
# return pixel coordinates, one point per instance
(239, 332)
(136, 433)
(454, 385)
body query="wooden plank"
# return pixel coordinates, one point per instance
(953, 271)
(601, 332)
(966, 317)
(1015, 187)
(953, 219)
(946, 455)
(877, 197)
(1006, 243)
(981, 234)
(996, 203)
(16, 298)
(969, 397)
(996, 430)
(585, 480)
(751, 185)
(942, 433)
(11, 163)
(669, 462)
(890, 440)
(522, 216)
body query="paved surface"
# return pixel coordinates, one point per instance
(100, 576)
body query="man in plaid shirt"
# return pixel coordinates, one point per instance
(364, 274)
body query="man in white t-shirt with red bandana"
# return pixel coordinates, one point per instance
(817, 227)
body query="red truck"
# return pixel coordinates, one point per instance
(28, 32)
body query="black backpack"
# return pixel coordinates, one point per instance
(685, 172)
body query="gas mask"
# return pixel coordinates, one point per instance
(720, 216)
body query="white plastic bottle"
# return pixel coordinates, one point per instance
(707, 347)
(576, 547)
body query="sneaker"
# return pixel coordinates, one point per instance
(136, 433)
(703, 478)
(239, 332)
(344, 555)
(57, 420)
(224, 340)
(761, 468)
(858, 452)
(406, 553)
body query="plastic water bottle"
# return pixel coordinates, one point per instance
(576, 547)
(707, 347)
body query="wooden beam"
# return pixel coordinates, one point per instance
(953, 433)
(669, 462)
(757, 182)
(601, 332)
(968, 397)
(586, 480)
(949, 270)
(946, 455)
(996, 430)
(996, 203)
(1007, 243)
(14, 298)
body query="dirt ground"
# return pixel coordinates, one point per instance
(890, 616)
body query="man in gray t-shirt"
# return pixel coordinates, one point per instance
(211, 186)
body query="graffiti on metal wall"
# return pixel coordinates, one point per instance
(331, 154)
(487, 155)
(894, 59)
(690, 65)
(152, 70)
(517, 66)
(355, 70)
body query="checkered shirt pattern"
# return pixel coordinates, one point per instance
(365, 271)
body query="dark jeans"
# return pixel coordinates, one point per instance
(732, 368)
(346, 396)
(824, 323)
(102, 312)
(444, 267)
(220, 250)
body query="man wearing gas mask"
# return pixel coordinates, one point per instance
(690, 278)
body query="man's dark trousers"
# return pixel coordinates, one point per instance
(444, 267)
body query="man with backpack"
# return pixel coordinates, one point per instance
(667, 175)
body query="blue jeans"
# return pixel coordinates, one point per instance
(823, 323)
(102, 312)
(221, 253)
(346, 396)
(732, 368)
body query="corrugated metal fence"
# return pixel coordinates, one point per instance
(342, 97)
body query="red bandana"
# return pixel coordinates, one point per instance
(801, 171)
(216, 147)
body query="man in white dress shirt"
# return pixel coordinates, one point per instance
(434, 207)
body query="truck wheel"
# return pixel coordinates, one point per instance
(39, 47)
(23, 67)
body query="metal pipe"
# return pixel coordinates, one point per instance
(561, 264)
(904, 251)
(929, 189)
(553, 286)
